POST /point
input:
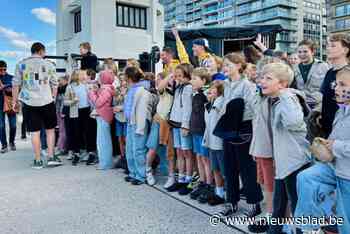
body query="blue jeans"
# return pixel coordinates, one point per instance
(136, 151)
(43, 139)
(12, 122)
(104, 144)
(316, 186)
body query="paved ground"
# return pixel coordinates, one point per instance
(83, 200)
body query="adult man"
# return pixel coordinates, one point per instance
(200, 50)
(6, 89)
(37, 80)
(89, 60)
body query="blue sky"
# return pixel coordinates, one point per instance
(23, 22)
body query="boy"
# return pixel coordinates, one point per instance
(288, 131)
(200, 77)
(318, 182)
(214, 143)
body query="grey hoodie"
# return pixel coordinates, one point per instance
(313, 83)
(341, 146)
(290, 147)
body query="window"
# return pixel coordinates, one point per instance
(77, 21)
(131, 16)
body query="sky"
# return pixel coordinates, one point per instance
(22, 23)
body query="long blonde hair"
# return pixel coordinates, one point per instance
(74, 78)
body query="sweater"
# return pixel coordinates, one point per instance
(89, 61)
(102, 99)
(197, 122)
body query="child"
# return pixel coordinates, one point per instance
(214, 143)
(288, 131)
(102, 99)
(61, 142)
(322, 179)
(238, 87)
(180, 121)
(119, 114)
(138, 116)
(70, 111)
(86, 138)
(200, 78)
(159, 136)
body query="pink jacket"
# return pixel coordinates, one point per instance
(102, 98)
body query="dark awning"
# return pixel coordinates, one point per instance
(231, 32)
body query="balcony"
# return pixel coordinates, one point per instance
(248, 10)
(239, 2)
(207, 2)
(211, 10)
(210, 20)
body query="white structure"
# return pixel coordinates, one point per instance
(115, 28)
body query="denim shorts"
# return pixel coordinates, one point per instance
(198, 147)
(120, 128)
(153, 137)
(217, 160)
(182, 142)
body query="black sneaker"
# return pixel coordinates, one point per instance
(137, 182)
(197, 191)
(229, 209)
(129, 179)
(207, 193)
(254, 210)
(184, 189)
(13, 147)
(4, 149)
(119, 163)
(175, 187)
(76, 160)
(91, 160)
(54, 161)
(215, 200)
(38, 164)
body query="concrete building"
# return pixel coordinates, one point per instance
(338, 15)
(118, 29)
(292, 15)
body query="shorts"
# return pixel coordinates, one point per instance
(120, 128)
(153, 137)
(38, 117)
(217, 161)
(198, 147)
(181, 142)
(265, 173)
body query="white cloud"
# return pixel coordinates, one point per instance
(12, 54)
(45, 15)
(19, 40)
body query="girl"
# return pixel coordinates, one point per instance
(180, 120)
(237, 86)
(71, 113)
(119, 115)
(138, 116)
(61, 142)
(102, 99)
(159, 136)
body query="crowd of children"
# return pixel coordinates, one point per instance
(226, 129)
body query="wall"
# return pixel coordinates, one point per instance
(121, 42)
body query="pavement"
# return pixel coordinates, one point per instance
(76, 200)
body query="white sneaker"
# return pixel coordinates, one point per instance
(70, 155)
(44, 153)
(150, 179)
(170, 182)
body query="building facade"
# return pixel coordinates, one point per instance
(292, 15)
(118, 29)
(338, 12)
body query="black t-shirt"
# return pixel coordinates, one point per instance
(329, 104)
(305, 70)
(89, 61)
